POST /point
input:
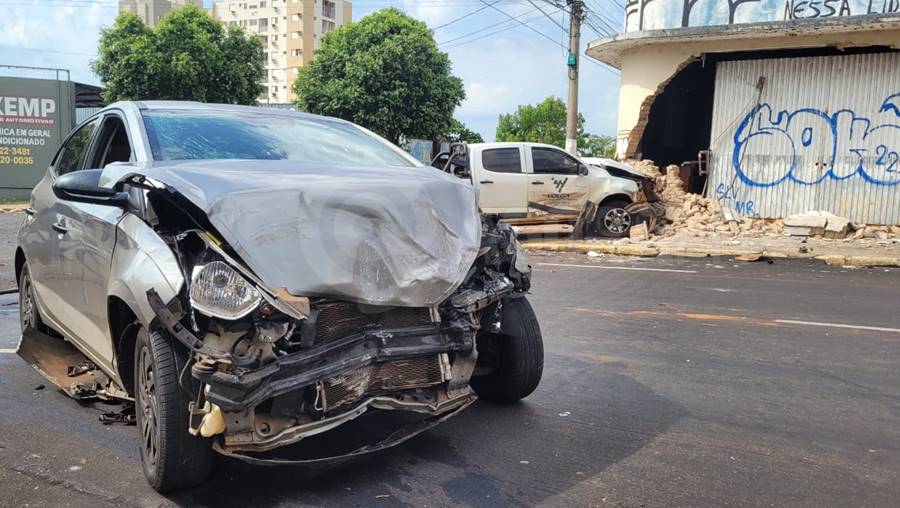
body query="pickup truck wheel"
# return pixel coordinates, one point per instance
(29, 316)
(518, 356)
(171, 457)
(612, 220)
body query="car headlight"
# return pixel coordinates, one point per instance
(218, 290)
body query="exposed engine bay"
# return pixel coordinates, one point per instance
(268, 368)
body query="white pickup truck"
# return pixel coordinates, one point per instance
(533, 183)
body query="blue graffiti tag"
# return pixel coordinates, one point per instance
(817, 146)
(730, 195)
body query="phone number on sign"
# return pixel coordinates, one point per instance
(15, 155)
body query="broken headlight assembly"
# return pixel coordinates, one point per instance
(218, 290)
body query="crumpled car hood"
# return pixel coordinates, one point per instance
(385, 235)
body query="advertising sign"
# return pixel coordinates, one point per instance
(35, 116)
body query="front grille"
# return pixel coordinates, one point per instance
(339, 319)
(393, 375)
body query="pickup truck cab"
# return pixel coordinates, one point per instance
(533, 183)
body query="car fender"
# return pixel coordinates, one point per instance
(604, 187)
(142, 261)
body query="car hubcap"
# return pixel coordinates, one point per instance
(26, 305)
(617, 220)
(148, 407)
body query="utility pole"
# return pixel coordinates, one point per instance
(574, 48)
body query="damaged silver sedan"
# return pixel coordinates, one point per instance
(250, 278)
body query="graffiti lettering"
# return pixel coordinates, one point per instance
(730, 196)
(818, 146)
(654, 14)
(809, 9)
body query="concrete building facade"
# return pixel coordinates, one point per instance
(151, 11)
(290, 31)
(787, 105)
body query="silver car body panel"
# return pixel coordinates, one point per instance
(385, 236)
(142, 261)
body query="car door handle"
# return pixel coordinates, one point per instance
(486, 181)
(537, 183)
(30, 211)
(60, 227)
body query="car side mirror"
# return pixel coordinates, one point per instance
(84, 187)
(583, 170)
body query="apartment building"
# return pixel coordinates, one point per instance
(290, 31)
(151, 11)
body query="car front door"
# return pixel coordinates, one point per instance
(555, 186)
(92, 231)
(45, 236)
(501, 181)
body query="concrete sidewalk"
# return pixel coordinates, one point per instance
(845, 252)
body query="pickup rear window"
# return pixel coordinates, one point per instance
(502, 160)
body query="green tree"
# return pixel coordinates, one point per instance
(458, 132)
(593, 145)
(544, 122)
(188, 56)
(385, 73)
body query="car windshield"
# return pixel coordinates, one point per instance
(229, 134)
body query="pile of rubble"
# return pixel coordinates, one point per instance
(696, 215)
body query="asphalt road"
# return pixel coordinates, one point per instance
(667, 383)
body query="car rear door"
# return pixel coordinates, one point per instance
(555, 186)
(501, 180)
(45, 237)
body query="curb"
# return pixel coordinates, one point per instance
(698, 252)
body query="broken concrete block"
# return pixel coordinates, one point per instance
(639, 232)
(803, 231)
(806, 220)
(895, 230)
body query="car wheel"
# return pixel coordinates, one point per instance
(613, 220)
(171, 457)
(29, 315)
(517, 356)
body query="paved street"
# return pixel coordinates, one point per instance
(667, 383)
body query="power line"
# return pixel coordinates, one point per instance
(535, 30)
(464, 16)
(23, 48)
(489, 34)
(505, 21)
(548, 17)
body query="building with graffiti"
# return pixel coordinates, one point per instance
(779, 106)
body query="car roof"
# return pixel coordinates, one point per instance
(499, 144)
(207, 106)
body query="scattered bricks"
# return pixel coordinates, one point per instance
(639, 233)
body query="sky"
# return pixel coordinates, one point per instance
(502, 63)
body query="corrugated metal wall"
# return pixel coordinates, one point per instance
(791, 135)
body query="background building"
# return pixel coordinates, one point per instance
(151, 11)
(290, 31)
(794, 104)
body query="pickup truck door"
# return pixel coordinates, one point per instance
(501, 181)
(554, 185)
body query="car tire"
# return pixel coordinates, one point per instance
(29, 315)
(171, 457)
(612, 220)
(519, 361)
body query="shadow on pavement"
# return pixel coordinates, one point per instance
(577, 424)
